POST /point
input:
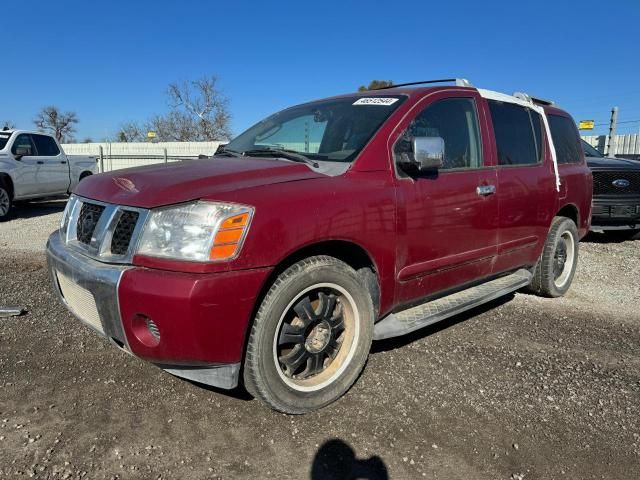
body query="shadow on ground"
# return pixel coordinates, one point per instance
(38, 208)
(612, 236)
(336, 460)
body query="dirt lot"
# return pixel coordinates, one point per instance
(525, 388)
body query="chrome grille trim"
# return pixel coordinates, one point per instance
(99, 247)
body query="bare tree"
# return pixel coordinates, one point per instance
(131, 132)
(61, 125)
(199, 110)
(8, 125)
(375, 84)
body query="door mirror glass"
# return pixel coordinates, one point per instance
(22, 151)
(428, 152)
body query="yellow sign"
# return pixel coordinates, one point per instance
(586, 125)
(151, 135)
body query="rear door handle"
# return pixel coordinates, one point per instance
(486, 190)
(40, 162)
(63, 161)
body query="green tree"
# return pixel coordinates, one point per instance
(375, 84)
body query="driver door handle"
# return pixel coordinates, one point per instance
(486, 190)
(63, 161)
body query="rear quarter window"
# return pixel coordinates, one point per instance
(565, 139)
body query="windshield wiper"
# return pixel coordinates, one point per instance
(226, 151)
(280, 152)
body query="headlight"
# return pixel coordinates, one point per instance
(199, 231)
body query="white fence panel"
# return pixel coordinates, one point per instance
(125, 155)
(628, 144)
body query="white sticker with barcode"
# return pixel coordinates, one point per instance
(4, 136)
(376, 101)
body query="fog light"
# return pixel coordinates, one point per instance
(146, 330)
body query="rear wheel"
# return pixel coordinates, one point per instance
(311, 336)
(556, 267)
(5, 202)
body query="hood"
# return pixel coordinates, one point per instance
(165, 184)
(612, 163)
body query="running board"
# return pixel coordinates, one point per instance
(411, 319)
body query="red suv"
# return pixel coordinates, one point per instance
(321, 228)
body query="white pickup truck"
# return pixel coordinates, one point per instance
(33, 165)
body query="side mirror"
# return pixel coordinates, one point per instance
(428, 152)
(21, 152)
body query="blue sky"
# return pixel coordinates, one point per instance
(111, 61)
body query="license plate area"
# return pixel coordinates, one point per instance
(80, 301)
(624, 211)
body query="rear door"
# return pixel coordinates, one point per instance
(447, 219)
(53, 176)
(526, 184)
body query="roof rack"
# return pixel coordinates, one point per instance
(460, 82)
(528, 98)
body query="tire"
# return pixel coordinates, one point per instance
(6, 203)
(556, 267)
(622, 235)
(311, 336)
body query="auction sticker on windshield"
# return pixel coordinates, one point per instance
(375, 101)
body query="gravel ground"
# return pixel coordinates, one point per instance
(33, 223)
(524, 388)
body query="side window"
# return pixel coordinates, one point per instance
(46, 146)
(565, 139)
(23, 142)
(455, 121)
(518, 133)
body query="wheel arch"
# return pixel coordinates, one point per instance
(349, 252)
(570, 211)
(6, 179)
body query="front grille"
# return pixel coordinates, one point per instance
(87, 220)
(123, 232)
(103, 231)
(603, 183)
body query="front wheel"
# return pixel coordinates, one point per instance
(556, 267)
(311, 336)
(5, 203)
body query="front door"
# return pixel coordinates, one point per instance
(447, 219)
(27, 166)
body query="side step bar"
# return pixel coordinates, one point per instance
(411, 319)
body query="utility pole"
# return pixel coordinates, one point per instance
(611, 146)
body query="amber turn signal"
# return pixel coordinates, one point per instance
(227, 241)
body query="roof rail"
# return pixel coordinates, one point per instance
(528, 98)
(460, 82)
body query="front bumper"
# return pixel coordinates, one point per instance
(200, 319)
(615, 213)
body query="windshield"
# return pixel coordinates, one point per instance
(4, 139)
(334, 130)
(589, 151)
